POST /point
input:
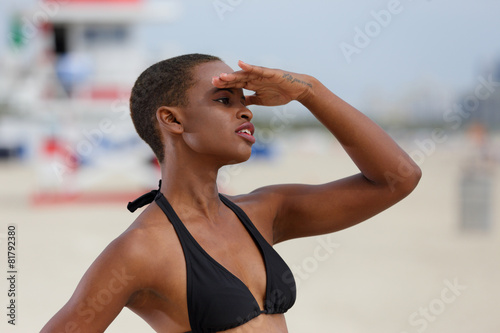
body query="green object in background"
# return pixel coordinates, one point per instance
(16, 36)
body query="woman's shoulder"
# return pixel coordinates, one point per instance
(147, 240)
(149, 243)
(149, 231)
(263, 200)
(261, 207)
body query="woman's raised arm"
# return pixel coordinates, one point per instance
(387, 174)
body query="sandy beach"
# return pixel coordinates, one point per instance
(411, 269)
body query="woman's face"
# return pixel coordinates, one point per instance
(216, 121)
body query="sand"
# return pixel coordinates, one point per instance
(410, 269)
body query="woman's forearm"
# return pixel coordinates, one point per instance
(373, 151)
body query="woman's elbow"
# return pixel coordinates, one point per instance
(411, 181)
(403, 183)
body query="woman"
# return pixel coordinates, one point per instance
(201, 261)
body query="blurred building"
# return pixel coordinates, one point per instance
(94, 47)
(481, 114)
(487, 110)
(65, 90)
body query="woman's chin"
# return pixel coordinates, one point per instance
(237, 160)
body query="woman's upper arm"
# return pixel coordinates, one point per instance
(308, 210)
(102, 293)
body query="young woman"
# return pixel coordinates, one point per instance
(196, 260)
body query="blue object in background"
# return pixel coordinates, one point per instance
(262, 151)
(73, 69)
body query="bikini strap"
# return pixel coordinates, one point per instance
(144, 199)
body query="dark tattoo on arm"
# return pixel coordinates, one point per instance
(291, 79)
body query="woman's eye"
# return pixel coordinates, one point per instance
(223, 100)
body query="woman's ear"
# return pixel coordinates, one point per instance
(168, 118)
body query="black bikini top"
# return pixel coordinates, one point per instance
(217, 299)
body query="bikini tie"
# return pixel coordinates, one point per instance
(143, 200)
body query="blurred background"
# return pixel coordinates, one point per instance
(427, 71)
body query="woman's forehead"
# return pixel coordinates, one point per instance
(204, 72)
(202, 75)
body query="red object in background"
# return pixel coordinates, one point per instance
(49, 198)
(103, 93)
(52, 148)
(95, 1)
(155, 163)
(106, 93)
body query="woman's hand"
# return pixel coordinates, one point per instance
(272, 86)
(387, 175)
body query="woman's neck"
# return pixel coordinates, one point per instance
(191, 185)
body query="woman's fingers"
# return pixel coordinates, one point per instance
(252, 100)
(221, 83)
(257, 71)
(233, 80)
(244, 66)
(248, 74)
(250, 68)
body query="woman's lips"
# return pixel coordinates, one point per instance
(247, 136)
(246, 131)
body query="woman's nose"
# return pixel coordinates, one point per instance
(245, 113)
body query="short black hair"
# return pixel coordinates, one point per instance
(162, 84)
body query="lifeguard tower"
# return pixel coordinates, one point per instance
(91, 52)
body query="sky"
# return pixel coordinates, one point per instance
(357, 48)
